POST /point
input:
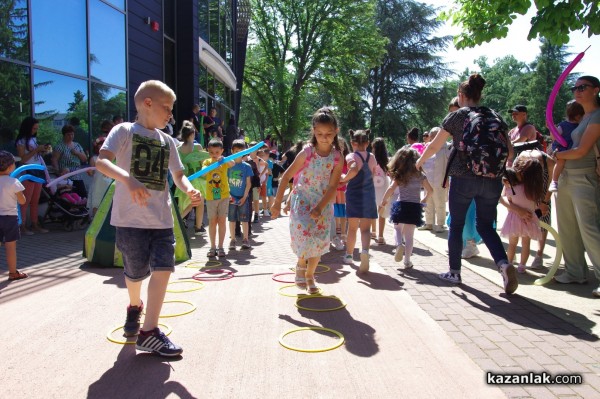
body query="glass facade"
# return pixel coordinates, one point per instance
(215, 26)
(47, 69)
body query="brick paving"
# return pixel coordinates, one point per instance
(500, 333)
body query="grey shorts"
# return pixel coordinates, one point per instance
(217, 208)
(255, 193)
(145, 251)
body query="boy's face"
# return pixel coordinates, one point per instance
(234, 151)
(161, 110)
(215, 152)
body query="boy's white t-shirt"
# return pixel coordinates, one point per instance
(147, 155)
(9, 187)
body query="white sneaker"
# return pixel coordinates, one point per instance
(348, 259)
(509, 278)
(565, 279)
(470, 250)
(439, 228)
(266, 213)
(408, 265)
(364, 262)
(596, 292)
(426, 227)
(399, 253)
(553, 187)
(538, 263)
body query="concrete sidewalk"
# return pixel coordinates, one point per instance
(406, 334)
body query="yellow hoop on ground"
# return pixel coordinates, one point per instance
(168, 328)
(298, 295)
(301, 298)
(337, 345)
(557, 258)
(327, 268)
(197, 264)
(199, 286)
(178, 314)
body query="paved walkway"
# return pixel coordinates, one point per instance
(406, 334)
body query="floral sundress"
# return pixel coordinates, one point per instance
(309, 237)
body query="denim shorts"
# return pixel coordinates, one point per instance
(145, 251)
(239, 213)
(9, 228)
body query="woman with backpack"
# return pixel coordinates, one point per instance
(481, 150)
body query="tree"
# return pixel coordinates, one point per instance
(484, 20)
(304, 44)
(403, 82)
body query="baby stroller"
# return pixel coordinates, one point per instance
(71, 216)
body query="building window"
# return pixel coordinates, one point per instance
(117, 3)
(107, 102)
(14, 45)
(58, 98)
(107, 44)
(59, 32)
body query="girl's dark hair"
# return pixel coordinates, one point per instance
(344, 148)
(187, 129)
(595, 82)
(25, 130)
(453, 103)
(359, 136)
(574, 109)
(533, 177)
(380, 153)
(402, 166)
(473, 87)
(325, 115)
(67, 129)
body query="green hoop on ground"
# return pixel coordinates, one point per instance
(327, 268)
(199, 286)
(168, 328)
(193, 307)
(298, 295)
(197, 264)
(329, 348)
(301, 298)
(548, 277)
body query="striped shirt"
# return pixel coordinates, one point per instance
(67, 160)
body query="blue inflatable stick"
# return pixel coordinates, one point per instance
(23, 168)
(215, 165)
(34, 179)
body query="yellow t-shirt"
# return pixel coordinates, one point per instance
(217, 184)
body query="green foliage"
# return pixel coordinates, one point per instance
(401, 89)
(297, 47)
(484, 20)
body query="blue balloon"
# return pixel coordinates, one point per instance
(23, 168)
(232, 157)
(34, 179)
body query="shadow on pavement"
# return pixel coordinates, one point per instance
(138, 376)
(115, 273)
(359, 336)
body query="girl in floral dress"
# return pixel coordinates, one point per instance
(316, 171)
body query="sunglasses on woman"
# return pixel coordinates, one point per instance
(580, 88)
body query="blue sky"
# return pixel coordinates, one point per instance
(516, 44)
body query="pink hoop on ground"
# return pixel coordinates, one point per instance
(274, 278)
(228, 274)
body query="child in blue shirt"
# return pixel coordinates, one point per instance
(239, 189)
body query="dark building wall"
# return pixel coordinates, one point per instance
(187, 59)
(145, 47)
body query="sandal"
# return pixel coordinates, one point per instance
(311, 288)
(212, 253)
(300, 280)
(373, 236)
(380, 241)
(18, 275)
(221, 252)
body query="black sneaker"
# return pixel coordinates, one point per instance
(198, 231)
(255, 220)
(131, 327)
(156, 341)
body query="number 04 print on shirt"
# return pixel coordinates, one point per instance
(149, 162)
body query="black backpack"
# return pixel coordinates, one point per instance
(483, 148)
